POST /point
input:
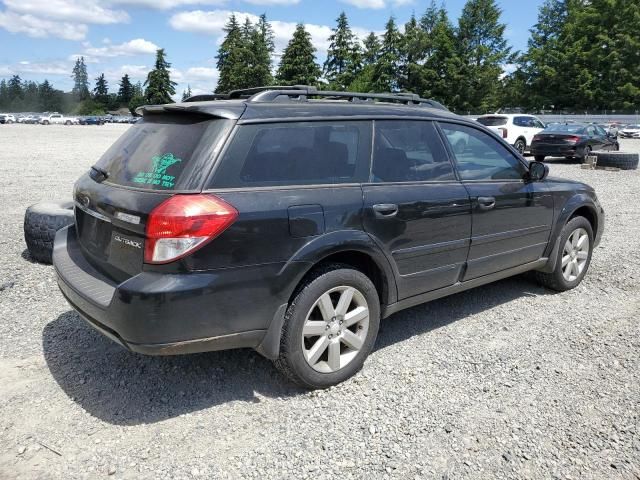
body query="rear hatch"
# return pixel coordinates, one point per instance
(164, 154)
(494, 122)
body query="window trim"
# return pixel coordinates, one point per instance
(485, 130)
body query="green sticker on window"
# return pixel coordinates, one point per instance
(158, 176)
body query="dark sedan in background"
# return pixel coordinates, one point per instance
(91, 121)
(572, 140)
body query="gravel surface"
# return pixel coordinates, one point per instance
(505, 381)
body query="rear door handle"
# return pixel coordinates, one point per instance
(486, 203)
(386, 210)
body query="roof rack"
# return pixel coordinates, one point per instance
(304, 92)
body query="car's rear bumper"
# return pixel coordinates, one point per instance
(557, 150)
(168, 314)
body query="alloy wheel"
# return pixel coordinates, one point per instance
(575, 254)
(335, 329)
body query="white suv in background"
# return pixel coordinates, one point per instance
(516, 129)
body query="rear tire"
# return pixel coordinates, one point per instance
(520, 145)
(573, 258)
(319, 346)
(586, 153)
(41, 223)
(539, 158)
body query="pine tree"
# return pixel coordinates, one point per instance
(228, 56)
(343, 56)
(80, 80)
(262, 47)
(412, 52)
(138, 90)
(371, 49)
(14, 89)
(298, 63)
(386, 72)
(187, 93)
(442, 64)
(126, 90)
(49, 99)
(4, 94)
(483, 52)
(159, 85)
(101, 91)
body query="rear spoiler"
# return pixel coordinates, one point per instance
(202, 109)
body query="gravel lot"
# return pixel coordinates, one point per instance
(505, 381)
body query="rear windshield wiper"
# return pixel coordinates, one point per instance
(98, 174)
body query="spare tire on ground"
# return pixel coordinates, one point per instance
(41, 222)
(621, 160)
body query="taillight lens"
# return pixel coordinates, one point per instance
(536, 138)
(184, 223)
(503, 132)
(573, 139)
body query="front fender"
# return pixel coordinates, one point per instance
(571, 205)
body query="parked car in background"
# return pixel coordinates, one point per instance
(58, 119)
(3, 120)
(7, 118)
(517, 129)
(319, 219)
(572, 140)
(91, 121)
(29, 119)
(630, 131)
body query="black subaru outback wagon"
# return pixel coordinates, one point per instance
(291, 221)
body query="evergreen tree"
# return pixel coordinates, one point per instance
(412, 53)
(159, 85)
(343, 56)
(138, 90)
(126, 90)
(298, 63)
(49, 99)
(442, 64)
(187, 93)
(261, 48)
(101, 91)
(14, 90)
(80, 80)
(386, 72)
(483, 52)
(4, 94)
(372, 49)
(228, 56)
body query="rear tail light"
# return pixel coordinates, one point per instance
(183, 224)
(573, 139)
(504, 132)
(537, 138)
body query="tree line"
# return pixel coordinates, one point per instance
(581, 55)
(17, 95)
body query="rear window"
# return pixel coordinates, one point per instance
(165, 152)
(492, 121)
(300, 153)
(569, 128)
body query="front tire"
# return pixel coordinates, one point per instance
(574, 256)
(330, 327)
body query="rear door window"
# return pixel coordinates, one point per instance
(300, 153)
(409, 151)
(165, 152)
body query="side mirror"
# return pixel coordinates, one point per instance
(538, 171)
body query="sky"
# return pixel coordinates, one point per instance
(42, 38)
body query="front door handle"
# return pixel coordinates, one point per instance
(486, 203)
(386, 210)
